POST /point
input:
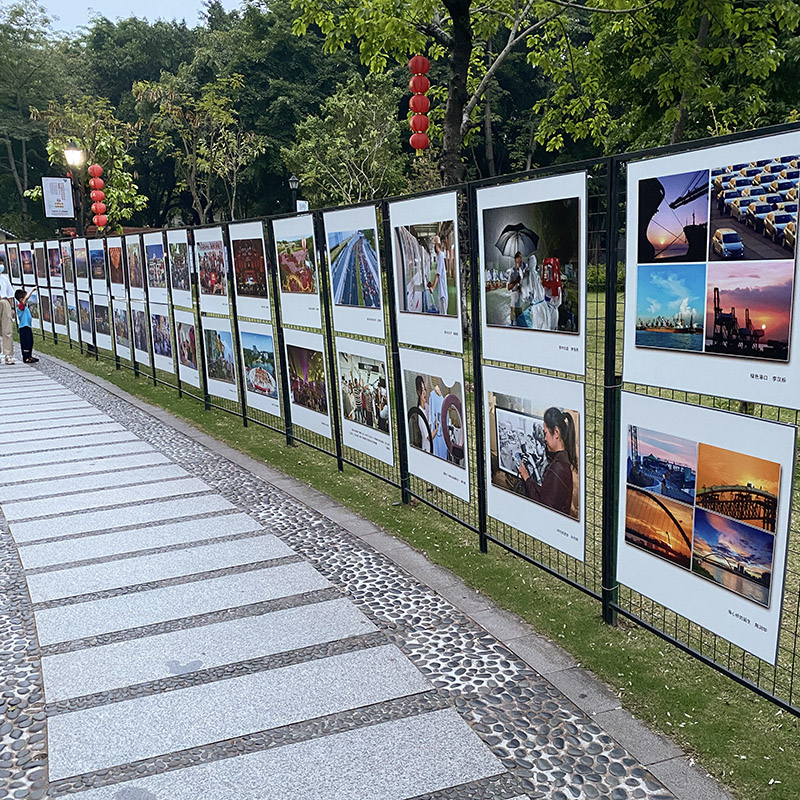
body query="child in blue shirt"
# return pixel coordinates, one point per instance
(24, 322)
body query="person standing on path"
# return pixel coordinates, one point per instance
(24, 322)
(6, 316)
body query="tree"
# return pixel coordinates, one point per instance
(351, 151)
(237, 150)
(90, 123)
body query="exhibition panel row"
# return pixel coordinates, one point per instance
(702, 513)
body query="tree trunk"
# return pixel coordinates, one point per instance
(680, 124)
(450, 165)
(488, 136)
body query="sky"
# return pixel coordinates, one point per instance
(666, 290)
(72, 15)
(667, 224)
(666, 447)
(719, 467)
(730, 541)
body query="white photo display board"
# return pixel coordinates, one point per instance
(298, 270)
(220, 356)
(59, 304)
(363, 382)
(250, 281)
(436, 428)
(72, 317)
(120, 320)
(102, 322)
(45, 310)
(155, 268)
(535, 456)
(54, 264)
(42, 268)
(27, 264)
(426, 271)
(532, 246)
(186, 346)
(351, 239)
(116, 268)
(97, 267)
(135, 261)
(212, 270)
(85, 318)
(179, 261)
(4, 262)
(308, 381)
(14, 266)
(81, 262)
(161, 337)
(139, 331)
(705, 498)
(710, 280)
(260, 368)
(67, 265)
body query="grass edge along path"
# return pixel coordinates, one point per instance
(744, 741)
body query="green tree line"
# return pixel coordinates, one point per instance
(199, 123)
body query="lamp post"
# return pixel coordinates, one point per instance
(294, 185)
(75, 157)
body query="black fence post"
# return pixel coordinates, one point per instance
(287, 408)
(402, 453)
(237, 342)
(326, 299)
(171, 311)
(612, 384)
(476, 281)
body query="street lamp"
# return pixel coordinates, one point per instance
(294, 185)
(75, 157)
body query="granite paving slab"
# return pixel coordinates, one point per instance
(72, 453)
(57, 431)
(13, 413)
(79, 440)
(63, 420)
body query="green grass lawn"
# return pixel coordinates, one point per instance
(743, 740)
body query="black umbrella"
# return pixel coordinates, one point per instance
(517, 238)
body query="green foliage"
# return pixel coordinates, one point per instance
(350, 151)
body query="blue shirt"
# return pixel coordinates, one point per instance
(24, 319)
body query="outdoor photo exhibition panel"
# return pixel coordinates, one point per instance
(705, 498)
(351, 239)
(436, 425)
(67, 266)
(59, 309)
(212, 270)
(249, 255)
(363, 382)
(85, 318)
(308, 382)
(134, 258)
(532, 246)
(102, 322)
(426, 273)
(97, 267)
(220, 357)
(26, 264)
(155, 267)
(72, 317)
(116, 268)
(139, 329)
(81, 262)
(186, 345)
(710, 281)
(258, 363)
(4, 263)
(298, 271)
(45, 310)
(13, 264)
(40, 260)
(179, 261)
(33, 307)
(161, 337)
(54, 264)
(122, 328)
(535, 456)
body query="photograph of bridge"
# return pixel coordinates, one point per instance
(659, 525)
(355, 274)
(740, 486)
(662, 464)
(735, 556)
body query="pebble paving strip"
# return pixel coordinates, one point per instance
(549, 747)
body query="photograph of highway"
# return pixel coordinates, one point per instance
(355, 273)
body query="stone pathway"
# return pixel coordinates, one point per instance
(173, 627)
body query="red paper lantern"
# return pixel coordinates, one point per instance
(419, 123)
(419, 84)
(101, 220)
(96, 183)
(419, 104)
(97, 196)
(419, 141)
(419, 65)
(95, 170)
(98, 208)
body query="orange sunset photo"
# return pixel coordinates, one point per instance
(659, 525)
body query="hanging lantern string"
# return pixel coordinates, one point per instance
(419, 103)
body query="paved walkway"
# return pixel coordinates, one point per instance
(175, 627)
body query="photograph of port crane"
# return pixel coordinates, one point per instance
(703, 508)
(715, 249)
